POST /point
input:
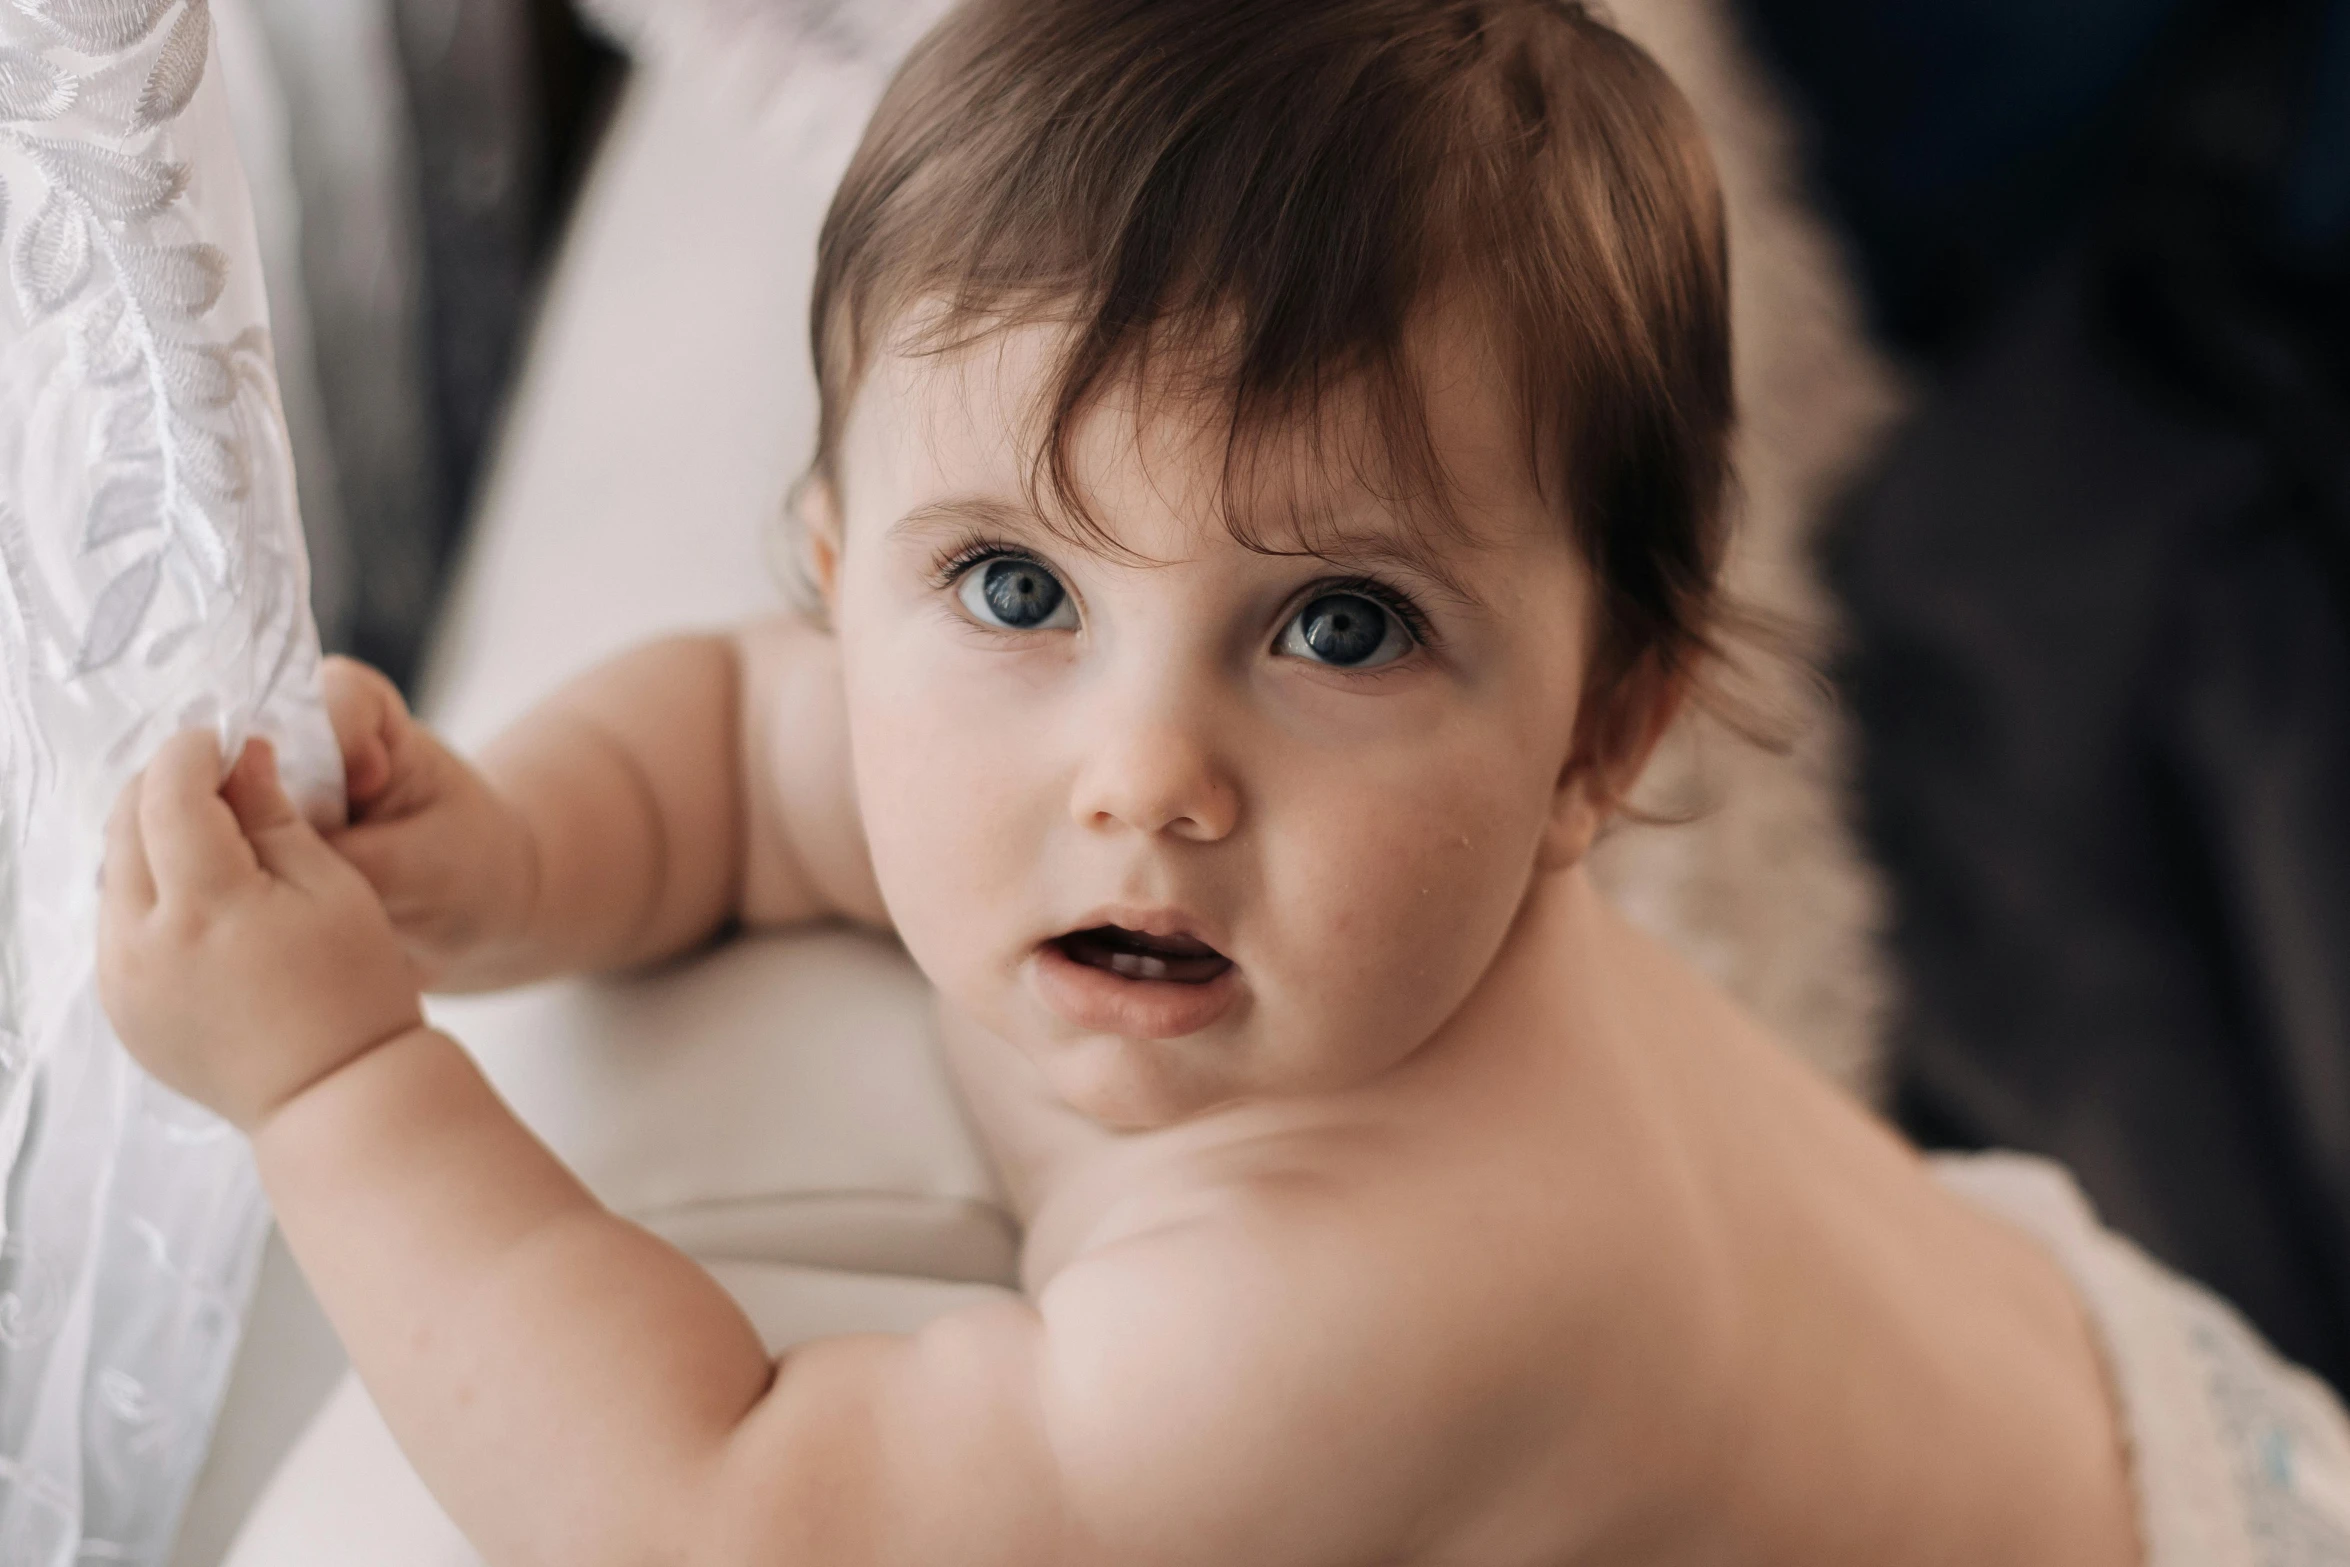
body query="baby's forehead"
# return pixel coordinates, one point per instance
(934, 425)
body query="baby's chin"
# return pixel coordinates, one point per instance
(1137, 1085)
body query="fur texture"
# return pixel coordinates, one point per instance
(1759, 877)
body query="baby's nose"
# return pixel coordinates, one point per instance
(1151, 777)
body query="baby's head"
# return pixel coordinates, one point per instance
(1269, 498)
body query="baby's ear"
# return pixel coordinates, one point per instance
(816, 506)
(1618, 728)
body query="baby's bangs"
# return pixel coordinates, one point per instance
(1247, 230)
(1351, 421)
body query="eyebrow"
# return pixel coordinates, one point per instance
(1412, 556)
(965, 510)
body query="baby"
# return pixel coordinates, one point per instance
(1269, 500)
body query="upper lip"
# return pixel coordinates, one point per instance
(1160, 922)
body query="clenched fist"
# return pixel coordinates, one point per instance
(239, 956)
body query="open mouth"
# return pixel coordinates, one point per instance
(1178, 960)
(1114, 979)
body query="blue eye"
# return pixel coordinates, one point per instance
(1346, 630)
(1016, 594)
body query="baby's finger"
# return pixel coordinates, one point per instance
(364, 707)
(391, 855)
(286, 845)
(126, 883)
(193, 843)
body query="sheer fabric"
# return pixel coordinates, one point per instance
(155, 580)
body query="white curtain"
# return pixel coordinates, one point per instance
(155, 579)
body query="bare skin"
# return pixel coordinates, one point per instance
(1449, 1221)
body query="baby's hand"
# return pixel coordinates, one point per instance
(452, 860)
(240, 958)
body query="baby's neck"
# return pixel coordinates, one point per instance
(1064, 1173)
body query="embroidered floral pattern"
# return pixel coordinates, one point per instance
(154, 579)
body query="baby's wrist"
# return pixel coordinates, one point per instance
(519, 921)
(333, 1083)
(506, 939)
(519, 942)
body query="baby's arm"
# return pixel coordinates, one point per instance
(683, 783)
(576, 1391)
(803, 849)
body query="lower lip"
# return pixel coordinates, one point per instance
(1101, 1002)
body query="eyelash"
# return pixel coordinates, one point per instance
(1415, 624)
(974, 550)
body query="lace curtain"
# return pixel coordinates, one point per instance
(155, 579)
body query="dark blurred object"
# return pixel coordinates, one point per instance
(507, 98)
(1960, 138)
(435, 146)
(2101, 603)
(369, 481)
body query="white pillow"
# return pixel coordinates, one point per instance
(780, 1099)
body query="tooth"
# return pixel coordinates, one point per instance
(1138, 965)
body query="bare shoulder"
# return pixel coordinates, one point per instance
(803, 842)
(1266, 1357)
(1280, 1375)
(1177, 1400)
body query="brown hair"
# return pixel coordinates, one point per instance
(1261, 198)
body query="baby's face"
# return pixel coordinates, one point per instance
(1207, 823)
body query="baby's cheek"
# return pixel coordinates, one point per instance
(1402, 902)
(945, 833)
